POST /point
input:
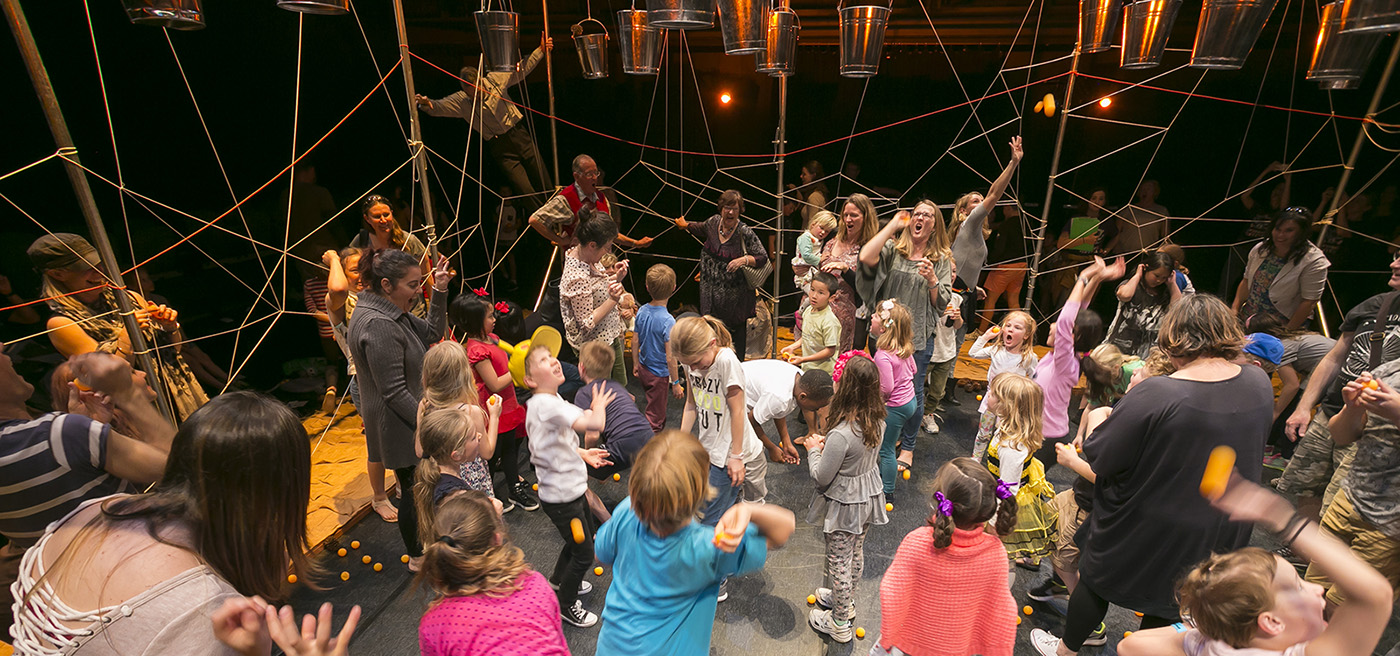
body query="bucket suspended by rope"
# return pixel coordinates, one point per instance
(1098, 22)
(323, 7)
(862, 39)
(640, 43)
(1146, 26)
(1369, 16)
(1227, 32)
(1339, 59)
(742, 24)
(171, 14)
(592, 49)
(681, 14)
(500, 39)
(780, 40)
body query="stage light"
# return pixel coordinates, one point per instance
(1105, 102)
(724, 98)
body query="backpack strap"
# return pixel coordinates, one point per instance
(1378, 329)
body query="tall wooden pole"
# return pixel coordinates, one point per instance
(43, 87)
(780, 145)
(1050, 183)
(420, 154)
(549, 80)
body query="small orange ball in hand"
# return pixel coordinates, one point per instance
(1370, 384)
(81, 387)
(1127, 633)
(1137, 613)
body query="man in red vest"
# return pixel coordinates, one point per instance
(558, 218)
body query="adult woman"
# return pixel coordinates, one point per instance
(382, 230)
(728, 245)
(1149, 523)
(1076, 245)
(87, 317)
(1286, 272)
(224, 521)
(390, 372)
(589, 292)
(1142, 301)
(917, 270)
(968, 229)
(841, 258)
(813, 191)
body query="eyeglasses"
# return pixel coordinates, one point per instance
(594, 174)
(923, 215)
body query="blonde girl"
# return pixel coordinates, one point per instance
(715, 404)
(448, 438)
(486, 598)
(448, 383)
(850, 496)
(1010, 346)
(1018, 404)
(894, 358)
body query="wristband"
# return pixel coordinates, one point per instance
(736, 456)
(440, 291)
(678, 381)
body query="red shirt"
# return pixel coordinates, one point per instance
(512, 415)
(571, 196)
(948, 601)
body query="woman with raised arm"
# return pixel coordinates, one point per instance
(727, 246)
(968, 229)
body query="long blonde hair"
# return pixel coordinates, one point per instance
(898, 337)
(692, 336)
(961, 211)
(870, 222)
(443, 434)
(447, 376)
(473, 553)
(939, 245)
(1027, 344)
(1019, 410)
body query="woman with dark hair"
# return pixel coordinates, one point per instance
(382, 230)
(1142, 301)
(1286, 272)
(1149, 523)
(841, 257)
(729, 245)
(813, 194)
(224, 522)
(388, 345)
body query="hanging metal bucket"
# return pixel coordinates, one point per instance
(1146, 26)
(592, 50)
(1368, 16)
(172, 14)
(681, 14)
(1227, 32)
(742, 23)
(1339, 56)
(1338, 85)
(1098, 22)
(500, 40)
(640, 43)
(780, 39)
(323, 7)
(862, 39)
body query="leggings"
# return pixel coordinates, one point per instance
(507, 461)
(408, 512)
(739, 332)
(845, 561)
(1087, 610)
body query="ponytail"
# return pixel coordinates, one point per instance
(722, 337)
(691, 336)
(425, 481)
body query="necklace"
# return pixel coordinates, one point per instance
(725, 234)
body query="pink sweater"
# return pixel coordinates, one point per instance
(896, 378)
(1058, 372)
(524, 624)
(951, 602)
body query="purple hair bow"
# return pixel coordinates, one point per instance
(945, 506)
(1004, 490)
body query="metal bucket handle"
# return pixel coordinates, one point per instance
(842, 5)
(796, 18)
(590, 18)
(506, 5)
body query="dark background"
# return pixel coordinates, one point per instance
(242, 70)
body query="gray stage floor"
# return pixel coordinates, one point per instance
(766, 611)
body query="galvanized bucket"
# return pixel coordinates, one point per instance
(1146, 26)
(640, 43)
(1227, 32)
(500, 40)
(742, 23)
(1098, 22)
(780, 39)
(592, 50)
(1338, 56)
(681, 14)
(323, 7)
(1378, 16)
(172, 14)
(862, 39)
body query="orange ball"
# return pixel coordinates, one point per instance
(341, 552)
(597, 571)
(403, 558)
(906, 474)
(354, 544)
(1028, 610)
(617, 477)
(536, 487)
(979, 397)
(1372, 384)
(860, 632)
(378, 567)
(1127, 633)
(811, 599)
(1018, 620)
(291, 578)
(345, 576)
(1137, 613)
(889, 507)
(366, 560)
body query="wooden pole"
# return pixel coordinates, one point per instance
(549, 80)
(415, 133)
(1050, 184)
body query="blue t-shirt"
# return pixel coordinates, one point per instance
(664, 591)
(654, 330)
(623, 418)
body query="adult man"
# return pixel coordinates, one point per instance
(1142, 225)
(485, 102)
(772, 390)
(558, 219)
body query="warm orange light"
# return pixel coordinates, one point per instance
(1105, 102)
(724, 98)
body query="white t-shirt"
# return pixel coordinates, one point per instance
(768, 389)
(549, 421)
(709, 388)
(945, 345)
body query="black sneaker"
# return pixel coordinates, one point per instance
(1050, 588)
(577, 616)
(1098, 638)
(950, 399)
(506, 504)
(521, 494)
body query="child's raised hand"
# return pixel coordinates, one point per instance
(239, 624)
(595, 458)
(314, 638)
(729, 531)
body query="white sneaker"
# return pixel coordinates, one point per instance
(577, 616)
(1044, 643)
(584, 587)
(931, 424)
(822, 621)
(723, 590)
(823, 597)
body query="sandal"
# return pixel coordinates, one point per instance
(386, 510)
(902, 464)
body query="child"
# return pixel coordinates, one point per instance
(486, 599)
(1251, 601)
(651, 346)
(667, 568)
(1142, 302)
(448, 438)
(772, 390)
(474, 320)
(894, 357)
(552, 424)
(1181, 275)
(1107, 374)
(809, 248)
(941, 363)
(447, 383)
(821, 335)
(1018, 405)
(626, 431)
(849, 495)
(946, 591)
(1010, 347)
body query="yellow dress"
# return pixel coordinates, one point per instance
(1037, 523)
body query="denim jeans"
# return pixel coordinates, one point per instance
(726, 494)
(911, 428)
(895, 420)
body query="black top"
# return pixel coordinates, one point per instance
(1360, 321)
(1150, 523)
(447, 486)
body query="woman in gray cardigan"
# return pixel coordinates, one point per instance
(388, 345)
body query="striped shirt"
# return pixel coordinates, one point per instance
(314, 290)
(48, 466)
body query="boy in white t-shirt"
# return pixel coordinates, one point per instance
(772, 390)
(553, 425)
